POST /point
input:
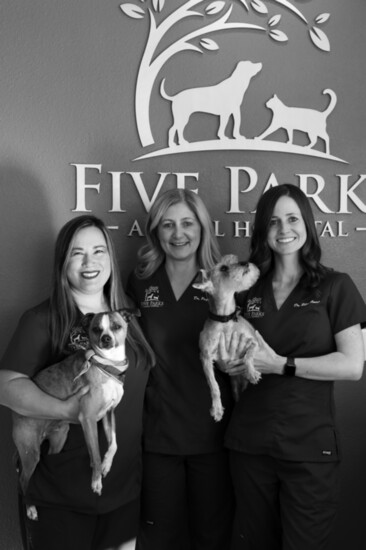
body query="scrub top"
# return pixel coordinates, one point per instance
(177, 416)
(293, 418)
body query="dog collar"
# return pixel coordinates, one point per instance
(106, 367)
(225, 318)
(96, 359)
(112, 370)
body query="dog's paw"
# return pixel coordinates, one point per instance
(32, 513)
(217, 412)
(106, 466)
(97, 485)
(254, 376)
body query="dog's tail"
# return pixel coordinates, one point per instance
(163, 92)
(332, 102)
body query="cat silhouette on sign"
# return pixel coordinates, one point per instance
(223, 99)
(310, 121)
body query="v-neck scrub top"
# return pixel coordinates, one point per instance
(293, 418)
(177, 416)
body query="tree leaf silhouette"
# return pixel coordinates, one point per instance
(158, 5)
(209, 44)
(259, 6)
(279, 36)
(274, 20)
(245, 4)
(320, 39)
(322, 18)
(215, 7)
(132, 11)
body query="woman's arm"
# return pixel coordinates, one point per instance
(22, 395)
(344, 364)
(29, 350)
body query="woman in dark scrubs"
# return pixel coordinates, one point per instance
(283, 435)
(186, 483)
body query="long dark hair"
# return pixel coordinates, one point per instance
(63, 309)
(310, 254)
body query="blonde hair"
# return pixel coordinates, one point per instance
(151, 255)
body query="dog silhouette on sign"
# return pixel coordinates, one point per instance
(223, 99)
(310, 121)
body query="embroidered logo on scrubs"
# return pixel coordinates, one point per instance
(152, 297)
(78, 339)
(254, 308)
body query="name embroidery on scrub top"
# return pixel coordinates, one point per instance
(200, 298)
(152, 298)
(306, 304)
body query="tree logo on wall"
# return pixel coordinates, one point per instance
(224, 98)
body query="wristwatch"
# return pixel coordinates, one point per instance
(289, 368)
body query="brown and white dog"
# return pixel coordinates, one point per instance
(221, 283)
(102, 368)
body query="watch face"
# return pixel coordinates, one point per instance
(290, 367)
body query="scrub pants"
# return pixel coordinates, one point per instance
(58, 529)
(283, 505)
(186, 502)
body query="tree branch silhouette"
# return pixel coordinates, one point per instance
(150, 66)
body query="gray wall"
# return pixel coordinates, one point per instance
(67, 95)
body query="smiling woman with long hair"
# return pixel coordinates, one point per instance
(283, 436)
(85, 280)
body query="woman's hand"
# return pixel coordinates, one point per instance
(71, 405)
(232, 350)
(22, 395)
(266, 359)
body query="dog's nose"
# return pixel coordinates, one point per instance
(106, 339)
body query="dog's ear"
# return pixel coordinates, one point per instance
(86, 320)
(203, 282)
(129, 312)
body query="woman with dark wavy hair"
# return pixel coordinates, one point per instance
(86, 280)
(309, 254)
(283, 435)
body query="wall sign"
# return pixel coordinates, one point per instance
(293, 129)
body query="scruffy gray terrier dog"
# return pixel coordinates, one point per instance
(221, 283)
